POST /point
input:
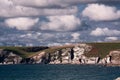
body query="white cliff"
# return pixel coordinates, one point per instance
(115, 56)
(74, 55)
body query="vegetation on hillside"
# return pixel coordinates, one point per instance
(24, 52)
(102, 49)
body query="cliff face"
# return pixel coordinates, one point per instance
(7, 57)
(75, 54)
(115, 56)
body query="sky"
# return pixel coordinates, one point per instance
(58, 22)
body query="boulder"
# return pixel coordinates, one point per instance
(117, 78)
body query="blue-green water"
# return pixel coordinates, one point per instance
(58, 72)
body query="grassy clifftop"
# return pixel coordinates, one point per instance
(24, 52)
(99, 49)
(102, 49)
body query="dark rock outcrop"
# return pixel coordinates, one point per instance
(27, 61)
(8, 57)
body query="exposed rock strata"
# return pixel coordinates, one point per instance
(7, 57)
(72, 55)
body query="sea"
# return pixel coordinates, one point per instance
(58, 72)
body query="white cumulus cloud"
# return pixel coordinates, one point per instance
(21, 23)
(105, 32)
(52, 3)
(61, 23)
(111, 38)
(15, 8)
(21, 11)
(39, 3)
(75, 35)
(48, 3)
(23, 8)
(99, 12)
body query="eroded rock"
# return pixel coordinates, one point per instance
(115, 56)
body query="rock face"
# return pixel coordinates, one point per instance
(66, 55)
(115, 56)
(112, 59)
(2, 56)
(38, 58)
(79, 50)
(7, 57)
(35, 59)
(74, 55)
(12, 59)
(63, 56)
(117, 78)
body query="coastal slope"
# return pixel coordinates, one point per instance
(80, 53)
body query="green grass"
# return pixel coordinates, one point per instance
(19, 51)
(102, 49)
(54, 49)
